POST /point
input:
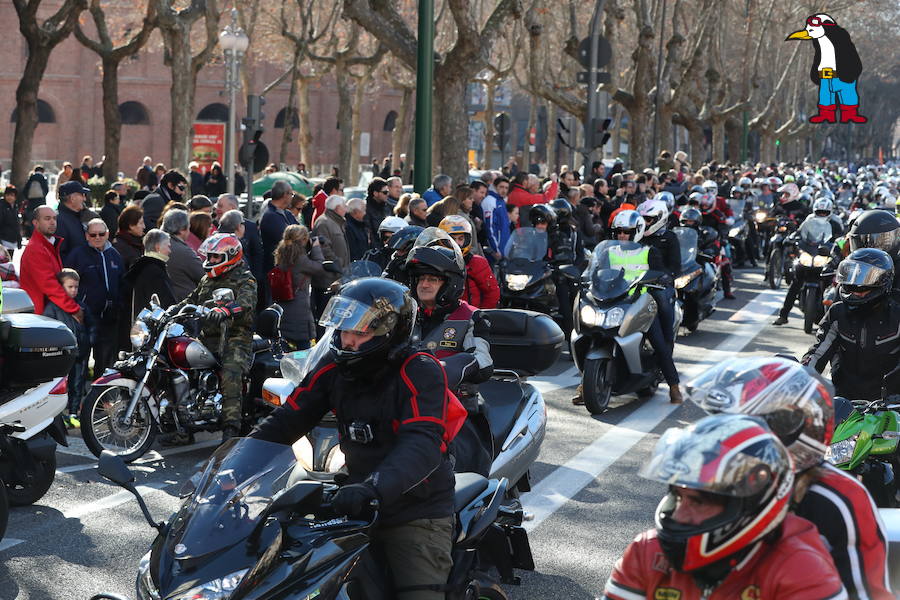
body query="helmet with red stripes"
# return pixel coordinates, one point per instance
(795, 401)
(737, 464)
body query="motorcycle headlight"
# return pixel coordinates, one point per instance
(840, 452)
(761, 216)
(517, 281)
(735, 231)
(292, 369)
(140, 333)
(821, 261)
(217, 589)
(146, 589)
(806, 259)
(590, 316)
(614, 317)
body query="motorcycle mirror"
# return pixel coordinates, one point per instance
(223, 296)
(154, 301)
(570, 271)
(112, 467)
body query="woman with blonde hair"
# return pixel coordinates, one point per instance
(303, 260)
(402, 208)
(442, 208)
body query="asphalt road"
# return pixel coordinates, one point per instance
(87, 536)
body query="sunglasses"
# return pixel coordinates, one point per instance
(816, 22)
(96, 235)
(181, 186)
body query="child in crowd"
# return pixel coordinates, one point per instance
(68, 279)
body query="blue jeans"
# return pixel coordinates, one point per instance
(75, 384)
(834, 91)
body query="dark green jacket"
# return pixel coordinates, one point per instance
(242, 283)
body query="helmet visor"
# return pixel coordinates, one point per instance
(884, 240)
(346, 314)
(737, 465)
(861, 275)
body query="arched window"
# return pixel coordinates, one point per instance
(390, 121)
(45, 113)
(279, 119)
(134, 113)
(214, 112)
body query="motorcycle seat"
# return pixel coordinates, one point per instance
(468, 486)
(259, 344)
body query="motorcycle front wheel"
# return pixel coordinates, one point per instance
(775, 271)
(811, 304)
(24, 494)
(596, 385)
(103, 426)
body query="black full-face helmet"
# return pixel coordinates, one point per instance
(442, 262)
(542, 213)
(563, 210)
(371, 305)
(865, 276)
(404, 239)
(876, 229)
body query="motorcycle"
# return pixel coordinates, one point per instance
(782, 252)
(696, 286)
(526, 280)
(170, 382)
(739, 231)
(37, 354)
(512, 417)
(865, 441)
(253, 525)
(609, 344)
(809, 268)
(765, 226)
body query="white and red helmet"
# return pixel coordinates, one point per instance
(220, 252)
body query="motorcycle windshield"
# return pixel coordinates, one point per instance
(815, 231)
(608, 284)
(230, 495)
(527, 243)
(737, 206)
(359, 269)
(688, 241)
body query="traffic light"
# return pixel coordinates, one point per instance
(253, 154)
(501, 127)
(599, 133)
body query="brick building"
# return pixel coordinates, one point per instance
(70, 105)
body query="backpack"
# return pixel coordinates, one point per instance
(281, 282)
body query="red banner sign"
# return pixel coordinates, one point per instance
(208, 145)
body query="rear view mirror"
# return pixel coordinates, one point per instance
(154, 301)
(112, 467)
(223, 296)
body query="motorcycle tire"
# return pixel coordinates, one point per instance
(811, 304)
(4, 509)
(24, 495)
(775, 271)
(492, 592)
(596, 385)
(89, 430)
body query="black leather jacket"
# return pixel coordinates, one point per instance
(666, 243)
(862, 344)
(404, 404)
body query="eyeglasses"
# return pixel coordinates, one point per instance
(816, 22)
(430, 279)
(96, 235)
(384, 191)
(181, 186)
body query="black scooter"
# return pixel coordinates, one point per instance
(809, 269)
(253, 526)
(526, 280)
(698, 282)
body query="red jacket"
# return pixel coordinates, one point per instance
(481, 290)
(519, 196)
(318, 207)
(40, 264)
(795, 567)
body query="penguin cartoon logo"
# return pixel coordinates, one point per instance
(835, 69)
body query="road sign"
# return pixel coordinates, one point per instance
(604, 52)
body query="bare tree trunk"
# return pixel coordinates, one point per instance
(766, 146)
(182, 100)
(450, 95)
(345, 119)
(532, 126)
(617, 130)
(718, 139)
(400, 135)
(549, 154)
(362, 83)
(410, 152)
(734, 130)
(27, 113)
(666, 134)
(289, 110)
(695, 135)
(638, 143)
(304, 133)
(489, 126)
(112, 120)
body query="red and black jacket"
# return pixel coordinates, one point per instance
(406, 405)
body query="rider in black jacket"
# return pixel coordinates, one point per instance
(656, 215)
(860, 335)
(878, 229)
(392, 406)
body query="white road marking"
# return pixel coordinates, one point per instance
(553, 491)
(113, 500)
(568, 378)
(7, 543)
(150, 457)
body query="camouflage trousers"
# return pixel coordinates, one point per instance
(235, 364)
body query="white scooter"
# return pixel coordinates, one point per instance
(523, 343)
(37, 354)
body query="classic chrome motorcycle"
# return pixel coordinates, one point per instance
(170, 382)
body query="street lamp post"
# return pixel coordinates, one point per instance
(233, 42)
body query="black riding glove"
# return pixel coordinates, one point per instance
(331, 266)
(217, 315)
(353, 499)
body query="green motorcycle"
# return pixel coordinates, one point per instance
(865, 441)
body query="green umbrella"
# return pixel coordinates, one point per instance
(265, 183)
